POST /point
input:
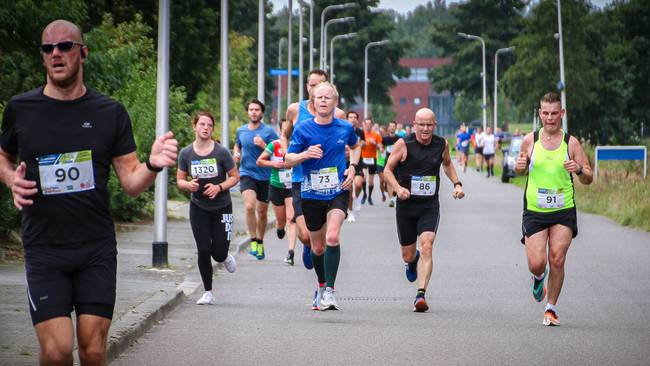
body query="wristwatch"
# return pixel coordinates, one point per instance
(152, 168)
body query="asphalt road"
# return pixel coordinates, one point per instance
(482, 310)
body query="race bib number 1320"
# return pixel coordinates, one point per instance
(66, 173)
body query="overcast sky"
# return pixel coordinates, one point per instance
(403, 6)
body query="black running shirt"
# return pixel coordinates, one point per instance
(68, 147)
(420, 171)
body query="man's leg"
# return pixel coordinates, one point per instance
(262, 209)
(280, 216)
(425, 265)
(92, 333)
(371, 186)
(536, 254)
(382, 186)
(559, 242)
(55, 337)
(335, 219)
(250, 201)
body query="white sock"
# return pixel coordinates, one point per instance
(540, 277)
(550, 306)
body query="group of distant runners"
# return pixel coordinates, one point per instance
(57, 144)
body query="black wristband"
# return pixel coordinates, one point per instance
(220, 187)
(152, 168)
(354, 165)
(458, 184)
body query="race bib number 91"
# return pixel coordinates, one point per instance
(204, 168)
(550, 198)
(423, 186)
(323, 179)
(66, 173)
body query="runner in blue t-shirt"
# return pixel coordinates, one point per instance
(319, 145)
(463, 137)
(250, 141)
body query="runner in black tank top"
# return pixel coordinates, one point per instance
(413, 171)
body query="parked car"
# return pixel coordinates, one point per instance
(510, 154)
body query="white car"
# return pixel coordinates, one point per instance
(509, 158)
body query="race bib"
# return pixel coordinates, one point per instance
(67, 172)
(285, 177)
(549, 198)
(204, 168)
(324, 179)
(369, 161)
(423, 186)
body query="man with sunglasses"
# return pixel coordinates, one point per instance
(413, 171)
(57, 144)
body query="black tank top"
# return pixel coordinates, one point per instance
(421, 160)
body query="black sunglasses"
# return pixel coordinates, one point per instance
(64, 46)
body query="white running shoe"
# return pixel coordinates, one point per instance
(351, 217)
(356, 204)
(230, 263)
(328, 302)
(206, 299)
(318, 296)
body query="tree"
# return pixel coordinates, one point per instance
(415, 29)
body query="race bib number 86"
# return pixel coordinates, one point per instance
(67, 172)
(423, 186)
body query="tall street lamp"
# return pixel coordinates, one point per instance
(300, 75)
(280, 80)
(496, 80)
(289, 46)
(322, 26)
(365, 74)
(335, 38)
(331, 21)
(311, 32)
(484, 105)
(260, 52)
(561, 85)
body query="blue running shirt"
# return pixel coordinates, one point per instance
(250, 152)
(322, 178)
(303, 114)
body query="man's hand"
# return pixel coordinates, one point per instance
(403, 193)
(313, 152)
(21, 188)
(349, 177)
(257, 140)
(163, 151)
(458, 192)
(522, 161)
(572, 167)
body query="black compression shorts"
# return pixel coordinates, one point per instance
(413, 221)
(315, 211)
(534, 222)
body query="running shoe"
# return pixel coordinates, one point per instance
(550, 318)
(318, 295)
(206, 299)
(253, 250)
(356, 204)
(306, 257)
(363, 199)
(280, 233)
(230, 263)
(328, 302)
(383, 197)
(351, 217)
(411, 269)
(260, 252)
(289, 261)
(392, 202)
(420, 305)
(539, 290)
(370, 201)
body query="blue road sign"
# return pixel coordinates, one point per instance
(282, 72)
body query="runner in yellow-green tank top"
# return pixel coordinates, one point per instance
(551, 158)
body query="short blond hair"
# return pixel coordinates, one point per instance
(327, 83)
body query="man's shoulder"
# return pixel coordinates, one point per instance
(32, 95)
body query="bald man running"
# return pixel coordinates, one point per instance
(413, 171)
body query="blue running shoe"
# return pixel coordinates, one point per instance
(412, 269)
(260, 252)
(306, 257)
(539, 290)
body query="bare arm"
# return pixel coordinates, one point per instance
(521, 165)
(134, 176)
(450, 171)
(212, 190)
(186, 185)
(264, 160)
(579, 162)
(398, 155)
(14, 178)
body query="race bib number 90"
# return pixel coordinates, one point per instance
(326, 178)
(66, 173)
(550, 198)
(204, 168)
(423, 186)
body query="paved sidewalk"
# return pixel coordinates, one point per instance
(144, 294)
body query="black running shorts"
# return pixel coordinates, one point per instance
(66, 277)
(315, 211)
(261, 187)
(372, 169)
(534, 222)
(277, 195)
(413, 221)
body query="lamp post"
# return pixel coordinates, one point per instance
(496, 80)
(260, 52)
(340, 36)
(289, 49)
(322, 26)
(331, 21)
(311, 33)
(561, 85)
(365, 74)
(484, 105)
(300, 75)
(280, 80)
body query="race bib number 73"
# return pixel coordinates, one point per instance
(66, 173)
